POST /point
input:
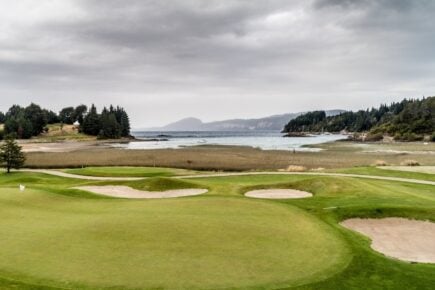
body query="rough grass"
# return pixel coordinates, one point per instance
(334, 155)
(56, 133)
(53, 237)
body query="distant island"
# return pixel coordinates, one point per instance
(270, 123)
(408, 120)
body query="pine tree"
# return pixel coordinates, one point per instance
(109, 126)
(11, 155)
(91, 122)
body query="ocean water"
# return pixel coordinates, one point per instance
(265, 140)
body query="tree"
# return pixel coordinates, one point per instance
(123, 120)
(109, 126)
(18, 126)
(91, 122)
(11, 155)
(37, 118)
(51, 116)
(66, 115)
(79, 113)
(2, 118)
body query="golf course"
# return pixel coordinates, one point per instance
(59, 234)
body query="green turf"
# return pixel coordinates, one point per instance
(384, 172)
(52, 236)
(126, 171)
(187, 243)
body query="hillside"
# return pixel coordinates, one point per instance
(408, 120)
(58, 132)
(270, 123)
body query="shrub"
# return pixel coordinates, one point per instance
(410, 163)
(373, 137)
(380, 163)
(2, 134)
(432, 138)
(409, 137)
(296, 168)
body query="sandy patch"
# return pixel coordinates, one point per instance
(420, 169)
(408, 240)
(54, 147)
(278, 193)
(128, 192)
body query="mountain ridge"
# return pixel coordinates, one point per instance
(269, 123)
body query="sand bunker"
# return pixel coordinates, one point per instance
(400, 238)
(128, 192)
(278, 193)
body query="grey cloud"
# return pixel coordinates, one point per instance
(277, 55)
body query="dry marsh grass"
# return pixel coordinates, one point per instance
(226, 158)
(410, 163)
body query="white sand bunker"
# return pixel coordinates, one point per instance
(128, 192)
(400, 238)
(278, 193)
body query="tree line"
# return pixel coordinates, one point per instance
(408, 120)
(26, 122)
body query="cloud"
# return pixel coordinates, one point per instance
(165, 60)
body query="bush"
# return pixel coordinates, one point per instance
(409, 137)
(2, 134)
(410, 163)
(432, 138)
(296, 168)
(380, 163)
(373, 137)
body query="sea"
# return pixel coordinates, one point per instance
(266, 140)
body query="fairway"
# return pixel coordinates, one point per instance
(126, 171)
(184, 243)
(58, 237)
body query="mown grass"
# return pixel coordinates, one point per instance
(126, 171)
(386, 172)
(180, 243)
(56, 238)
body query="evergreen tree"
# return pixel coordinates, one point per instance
(79, 113)
(125, 124)
(18, 126)
(91, 122)
(109, 126)
(407, 120)
(51, 116)
(66, 115)
(35, 115)
(11, 155)
(2, 118)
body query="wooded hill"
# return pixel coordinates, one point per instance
(24, 123)
(408, 120)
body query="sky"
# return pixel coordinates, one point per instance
(215, 59)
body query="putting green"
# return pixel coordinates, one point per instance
(200, 242)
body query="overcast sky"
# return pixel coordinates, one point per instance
(164, 60)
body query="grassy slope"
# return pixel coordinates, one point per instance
(385, 172)
(187, 243)
(128, 171)
(61, 209)
(66, 133)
